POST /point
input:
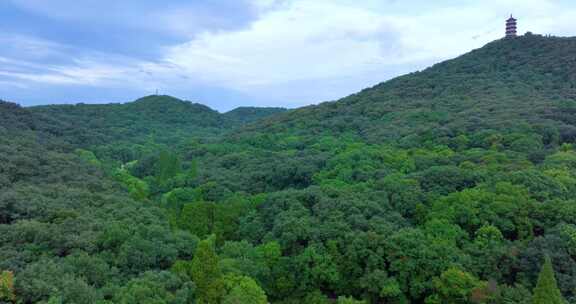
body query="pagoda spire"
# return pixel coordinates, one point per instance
(511, 27)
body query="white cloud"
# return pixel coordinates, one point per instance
(28, 47)
(29, 59)
(302, 51)
(92, 75)
(331, 39)
(305, 40)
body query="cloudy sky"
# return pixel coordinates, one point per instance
(226, 53)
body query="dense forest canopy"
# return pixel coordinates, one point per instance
(450, 185)
(121, 129)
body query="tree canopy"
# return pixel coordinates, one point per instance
(448, 185)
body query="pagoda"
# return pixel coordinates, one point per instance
(511, 27)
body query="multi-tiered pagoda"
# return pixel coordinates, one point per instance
(511, 27)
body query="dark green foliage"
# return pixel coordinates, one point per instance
(507, 83)
(13, 117)
(89, 125)
(167, 167)
(443, 186)
(244, 115)
(125, 132)
(156, 287)
(67, 231)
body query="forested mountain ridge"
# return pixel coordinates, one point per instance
(450, 185)
(164, 118)
(251, 114)
(70, 234)
(442, 177)
(13, 117)
(506, 84)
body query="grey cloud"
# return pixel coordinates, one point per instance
(197, 15)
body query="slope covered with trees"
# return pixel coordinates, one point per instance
(528, 80)
(68, 234)
(123, 130)
(448, 185)
(93, 124)
(243, 115)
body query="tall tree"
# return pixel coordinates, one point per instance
(167, 167)
(7, 286)
(198, 218)
(206, 273)
(546, 291)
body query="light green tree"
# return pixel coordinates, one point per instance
(89, 157)
(349, 300)
(206, 274)
(455, 286)
(546, 291)
(243, 290)
(7, 286)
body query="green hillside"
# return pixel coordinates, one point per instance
(68, 233)
(96, 124)
(244, 115)
(463, 171)
(506, 85)
(449, 185)
(124, 130)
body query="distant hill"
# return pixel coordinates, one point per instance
(89, 124)
(158, 118)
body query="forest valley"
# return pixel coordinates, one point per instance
(451, 185)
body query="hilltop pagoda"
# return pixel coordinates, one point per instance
(511, 27)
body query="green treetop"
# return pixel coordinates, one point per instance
(206, 274)
(546, 291)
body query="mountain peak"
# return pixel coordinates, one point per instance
(166, 103)
(157, 98)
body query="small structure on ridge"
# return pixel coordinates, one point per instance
(511, 27)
